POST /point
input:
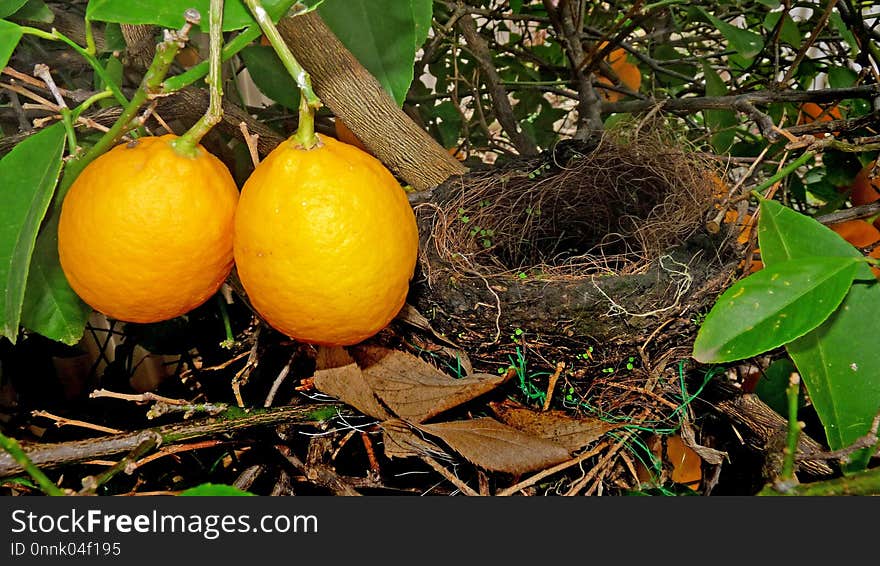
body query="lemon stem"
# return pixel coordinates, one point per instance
(150, 84)
(186, 144)
(309, 101)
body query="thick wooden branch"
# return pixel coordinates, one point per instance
(354, 95)
(54, 455)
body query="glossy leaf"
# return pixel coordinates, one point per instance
(773, 307)
(214, 490)
(35, 11)
(746, 43)
(169, 13)
(28, 175)
(383, 35)
(10, 34)
(838, 361)
(9, 7)
(270, 76)
(722, 122)
(51, 307)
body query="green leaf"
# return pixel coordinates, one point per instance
(9, 7)
(746, 43)
(722, 122)
(838, 361)
(51, 308)
(35, 11)
(270, 76)
(771, 387)
(9, 36)
(383, 35)
(214, 490)
(773, 307)
(788, 33)
(169, 13)
(28, 175)
(841, 77)
(844, 31)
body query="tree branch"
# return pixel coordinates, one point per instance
(503, 110)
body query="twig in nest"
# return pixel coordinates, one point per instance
(463, 487)
(137, 398)
(241, 377)
(282, 375)
(528, 482)
(321, 475)
(582, 483)
(91, 483)
(63, 421)
(552, 384)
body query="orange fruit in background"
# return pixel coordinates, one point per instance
(629, 75)
(344, 134)
(325, 242)
(145, 233)
(859, 233)
(865, 190)
(810, 112)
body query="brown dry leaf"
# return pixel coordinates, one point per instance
(329, 357)
(497, 447)
(563, 429)
(414, 389)
(685, 464)
(400, 441)
(347, 384)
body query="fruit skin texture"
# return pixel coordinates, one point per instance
(326, 243)
(145, 234)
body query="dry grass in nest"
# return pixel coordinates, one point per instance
(611, 209)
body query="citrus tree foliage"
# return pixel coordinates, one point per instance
(779, 92)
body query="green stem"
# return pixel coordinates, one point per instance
(87, 103)
(14, 449)
(794, 431)
(305, 133)
(188, 142)
(196, 72)
(784, 172)
(56, 35)
(151, 83)
(227, 324)
(90, 38)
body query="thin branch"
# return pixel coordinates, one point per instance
(479, 48)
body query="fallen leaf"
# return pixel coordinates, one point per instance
(400, 441)
(563, 429)
(684, 463)
(413, 389)
(497, 447)
(347, 384)
(329, 357)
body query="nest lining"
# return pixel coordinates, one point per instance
(577, 212)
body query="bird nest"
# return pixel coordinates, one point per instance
(580, 211)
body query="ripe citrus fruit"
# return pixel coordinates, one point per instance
(864, 189)
(344, 134)
(629, 75)
(145, 233)
(325, 242)
(810, 112)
